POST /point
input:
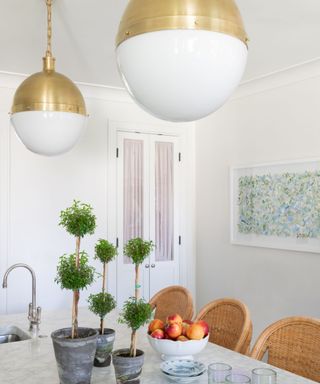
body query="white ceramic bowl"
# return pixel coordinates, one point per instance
(177, 350)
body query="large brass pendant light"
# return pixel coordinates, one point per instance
(181, 59)
(48, 111)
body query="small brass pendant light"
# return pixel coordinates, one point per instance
(181, 59)
(48, 111)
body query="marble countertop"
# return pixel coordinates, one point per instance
(33, 362)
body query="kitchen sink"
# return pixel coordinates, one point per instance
(11, 333)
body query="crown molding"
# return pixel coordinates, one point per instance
(286, 76)
(290, 75)
(11, 80)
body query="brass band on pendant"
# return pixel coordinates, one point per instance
(143, 16)
(48, 91)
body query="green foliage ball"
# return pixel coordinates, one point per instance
(137, 250)
(135, 313)
(105, 251)
(78, 220)
(101, 304)
(70, 277)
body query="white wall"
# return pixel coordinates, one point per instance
(34, 189)
(270, 119)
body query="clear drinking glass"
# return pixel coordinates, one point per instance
(217, 372)
(264, 376)
(238, 378)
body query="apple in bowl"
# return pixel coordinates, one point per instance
(185, 325)
(173, 330)
(174, 319)
(205, 326)
(155, 324)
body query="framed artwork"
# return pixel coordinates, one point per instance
(277, 205)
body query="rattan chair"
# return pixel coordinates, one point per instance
(229, 322)
(171, 300)
(292, 344)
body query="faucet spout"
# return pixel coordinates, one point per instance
(34, 312)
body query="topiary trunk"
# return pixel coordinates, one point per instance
(76, 296)
(104, 275)
(133, 346)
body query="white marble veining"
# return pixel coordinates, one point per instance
(33, 361)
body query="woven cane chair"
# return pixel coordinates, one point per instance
(292, 344)
(229, 322)
(171, 300)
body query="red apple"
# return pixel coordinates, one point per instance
(172, 319)
(155, 324)
(182, 338)
(173, 330)
(185, 325)
(195, 332)
(158, 334)
(205, 326)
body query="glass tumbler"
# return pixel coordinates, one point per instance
(217, 372)
(238, 378)
(264, 376)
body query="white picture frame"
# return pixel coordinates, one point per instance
(304, 244)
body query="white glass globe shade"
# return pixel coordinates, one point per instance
(181, 75)
(48, 133)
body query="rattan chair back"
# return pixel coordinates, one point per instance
(171, 300)
(292, 344)
(229, 322)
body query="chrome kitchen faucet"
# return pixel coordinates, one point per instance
(34, 314)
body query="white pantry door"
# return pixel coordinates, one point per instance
(147, 206)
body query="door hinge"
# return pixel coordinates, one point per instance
(117, 152)
(180, 240)
(117, 242)
(179, 156)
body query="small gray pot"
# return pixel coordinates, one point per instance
(104, 348)
(127, 369)
(75, 356)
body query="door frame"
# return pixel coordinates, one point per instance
(185, 132)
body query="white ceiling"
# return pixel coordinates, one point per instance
(282, 33)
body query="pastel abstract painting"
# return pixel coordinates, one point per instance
(285, 205)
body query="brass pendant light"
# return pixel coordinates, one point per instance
(48, 110)
(181, 59)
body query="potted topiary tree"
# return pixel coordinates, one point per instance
(135, 313)
(102, 303)
(75, 347)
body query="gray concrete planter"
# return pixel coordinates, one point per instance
(127, 369)
(104, 348)
(75, 356)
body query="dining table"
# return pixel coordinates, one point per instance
(33, 362)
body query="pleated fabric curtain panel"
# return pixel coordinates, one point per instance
(133, 184)
(164, 199)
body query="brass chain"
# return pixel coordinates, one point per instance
(49, 28)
